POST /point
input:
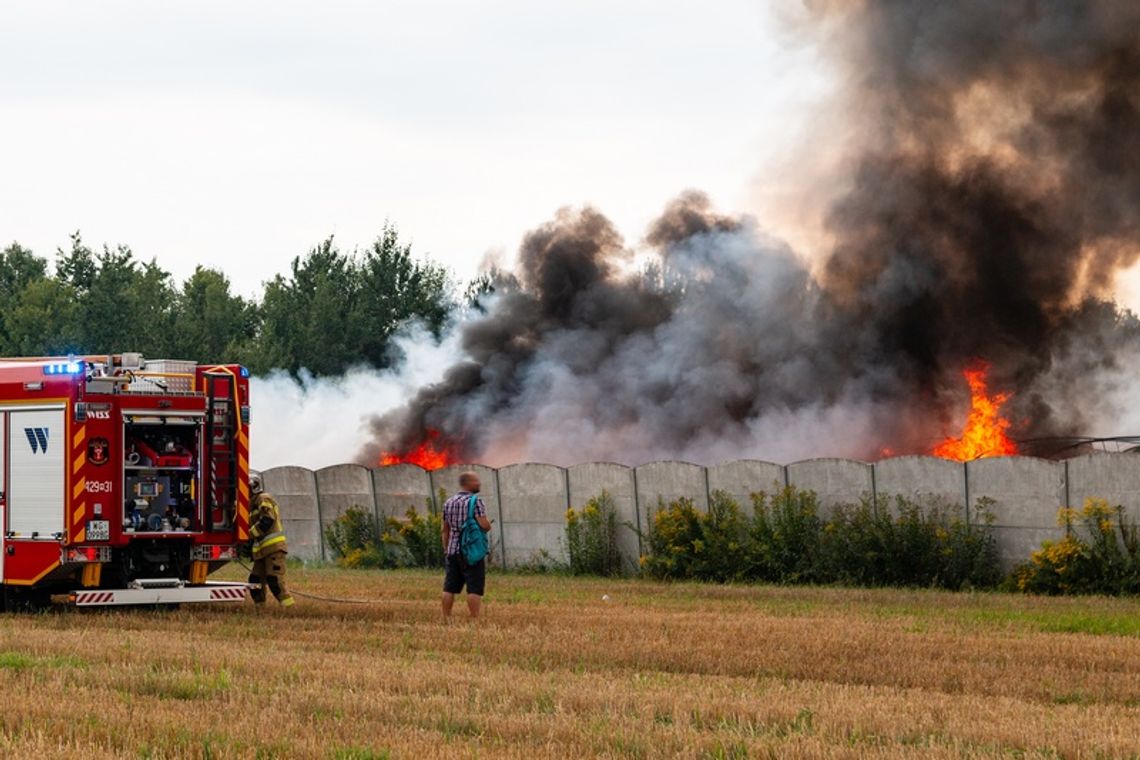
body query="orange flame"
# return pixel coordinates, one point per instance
(984, 434)
(431, 453)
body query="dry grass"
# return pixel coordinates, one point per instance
(555, 671)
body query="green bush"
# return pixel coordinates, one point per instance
(723, 554)
(685, 543)
(592, 537)
(900, 543)
(971, 553)
(914, 544)
(674, 540)
(355, 530)
(358, 540)
(421, 534)
(785, 537)
(1099, 554)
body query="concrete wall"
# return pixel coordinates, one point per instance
(342, 487)
(401, 486)
(1115, 477)
(835, 481)
(1026, 494)
(589, 480)
(295, 490)
(533, 498)
(921, 478)
(745, 477)
(662, 482)
(528, 501)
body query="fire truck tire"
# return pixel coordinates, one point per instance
(25, 600)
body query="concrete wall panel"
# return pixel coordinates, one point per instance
(1115, 477)
(835, 481)
(923, 479)
(447, 478)
(589, 480)
(662, 482)
(397, 487)
(1026, 494)
(534, 500)
(745, 477)
(342, 487)
(295, 490)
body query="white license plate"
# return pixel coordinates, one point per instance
(99, 530)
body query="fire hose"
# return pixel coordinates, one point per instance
(315, 597)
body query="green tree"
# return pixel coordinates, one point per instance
(395, 288)
(337, 310)
(211, 324)
(307, 317)
(122, 304)
(76, 266)
(19, 268)
(42, 320)
(332, 311)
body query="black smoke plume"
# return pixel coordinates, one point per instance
(993, 196)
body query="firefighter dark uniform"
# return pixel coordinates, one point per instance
(269, 550)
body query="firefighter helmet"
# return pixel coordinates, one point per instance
(255, 484)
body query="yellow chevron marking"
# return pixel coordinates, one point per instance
(81, 536)
(79, 437)
(77, 465)
(79, 488)
(32, 581)
(77, 515)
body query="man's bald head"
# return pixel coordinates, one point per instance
(469, 481)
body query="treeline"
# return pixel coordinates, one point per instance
(332, 311)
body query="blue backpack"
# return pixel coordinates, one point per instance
(472, 539)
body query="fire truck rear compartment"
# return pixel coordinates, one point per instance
(154, 558)
(160, 467)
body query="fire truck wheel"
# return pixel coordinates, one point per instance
(25, 600)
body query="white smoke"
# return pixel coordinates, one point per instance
(316, 422)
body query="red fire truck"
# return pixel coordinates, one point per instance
(122, 480)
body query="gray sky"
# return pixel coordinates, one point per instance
(238, 134)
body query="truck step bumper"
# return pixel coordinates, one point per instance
(174, 593)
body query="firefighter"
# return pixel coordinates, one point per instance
(267, 542)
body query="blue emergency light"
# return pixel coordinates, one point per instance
(63, 368)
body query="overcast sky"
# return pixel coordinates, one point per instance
(238, 134)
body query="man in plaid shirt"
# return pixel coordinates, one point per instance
(459, 573)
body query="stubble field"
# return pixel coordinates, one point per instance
(555, 670)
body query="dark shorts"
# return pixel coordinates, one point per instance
(460, 574)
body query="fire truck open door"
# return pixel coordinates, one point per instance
(223, 423)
